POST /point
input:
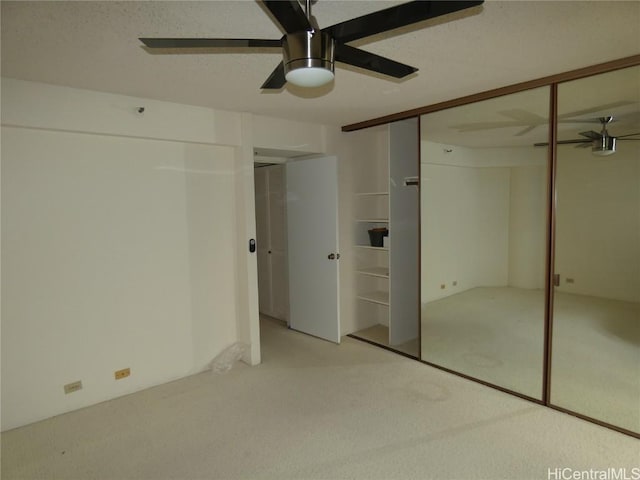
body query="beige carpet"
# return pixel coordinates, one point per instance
(496, 334)
(380, 334)
(314, 410)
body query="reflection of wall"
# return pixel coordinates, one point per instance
(527, 226)
(598, 222)
(484, 211)
(482, 218)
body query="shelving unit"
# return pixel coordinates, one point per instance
(369, 247)
(371, 210)
(381, 272)
(380, 297)
(386, 301)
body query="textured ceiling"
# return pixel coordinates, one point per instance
(94, 45)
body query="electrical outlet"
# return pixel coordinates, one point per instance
(73, 387)
(443, 286)
(125, 372)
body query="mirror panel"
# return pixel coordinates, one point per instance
(595, 369)
(483, 248)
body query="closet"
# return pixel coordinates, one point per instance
(386, 218)
(529, 247)
(530, 250)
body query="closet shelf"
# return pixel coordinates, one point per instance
(386, 249)
(382, 272)
(371, 194)
(378, 297)
(373, 220)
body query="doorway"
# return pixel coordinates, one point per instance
(271, 240)
(297, 244)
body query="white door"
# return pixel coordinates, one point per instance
(312, 218)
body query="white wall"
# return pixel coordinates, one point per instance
(112, 257)
(483, 212)
(527, 226)
(124, 243)
(246, 272)
(274, 135)
(38, 105)
(465, 212)
(598, 222)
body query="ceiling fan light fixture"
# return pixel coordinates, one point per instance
(309, 76)
(308, 58)
(604, 146)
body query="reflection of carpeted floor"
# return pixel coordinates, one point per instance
(496, 334)
(314, 410)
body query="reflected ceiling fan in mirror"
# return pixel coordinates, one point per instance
(309, 53)
(602, 143)
(519, 117)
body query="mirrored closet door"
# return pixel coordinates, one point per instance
(595, 367)
(483, 239)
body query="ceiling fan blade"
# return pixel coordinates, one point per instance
(209, 42)
(276, 80)
(519, 118)
(625, 139)
(599, 108)
(289, 14)
(573, 120)
(527, 118)
(369, 61)
(577, 140)
(394, 17)
(563, 142)
(629, 135)
(525, 131)
(592, 135)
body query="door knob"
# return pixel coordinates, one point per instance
(331, 256)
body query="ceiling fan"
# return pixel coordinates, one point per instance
(309, 53)
(518, 117)
(601, 143)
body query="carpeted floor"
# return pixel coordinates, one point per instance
(313, 409)
(496, 334)
(379, 334)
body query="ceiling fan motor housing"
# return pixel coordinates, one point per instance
(308, 50)
(606, 145)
